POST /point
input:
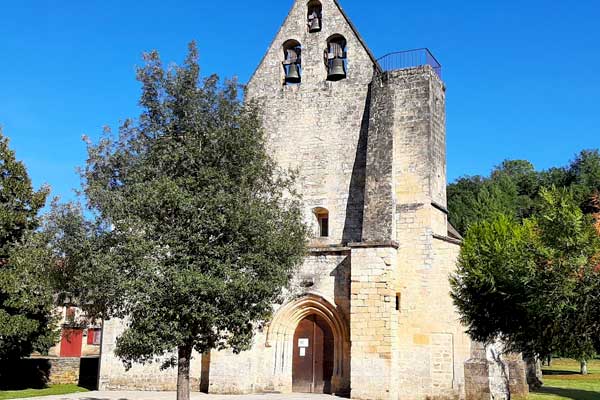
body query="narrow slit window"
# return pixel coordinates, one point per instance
(323, 221)
(324, 225)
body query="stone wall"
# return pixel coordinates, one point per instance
(380, 204)
(325, 273)
(267, 366)
(114, 376)
(492, 374)
(64, 371)
(374, 322)
(432, 345)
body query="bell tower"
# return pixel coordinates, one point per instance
(370, 147)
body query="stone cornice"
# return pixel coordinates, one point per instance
(374, 244)
(447, 239)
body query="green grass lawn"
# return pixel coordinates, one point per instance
(55, 389)
(563, 382)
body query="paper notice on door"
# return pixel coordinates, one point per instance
(302, 351)
(303, 342)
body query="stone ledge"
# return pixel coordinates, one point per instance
(439, 207)
(447, 239)
(374, 244)
(328, 249)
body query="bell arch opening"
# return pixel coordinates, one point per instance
(336, 58)
(315, 16)
(292, 62)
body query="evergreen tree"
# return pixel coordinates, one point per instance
(26, 297)
(199, 230)
(533, 283)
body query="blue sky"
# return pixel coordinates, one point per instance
(523, 76)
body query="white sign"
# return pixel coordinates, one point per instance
(302, 351)
(303, 342)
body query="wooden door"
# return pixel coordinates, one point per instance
(312, 366)
(70, 343)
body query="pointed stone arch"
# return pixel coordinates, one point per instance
(280, 333)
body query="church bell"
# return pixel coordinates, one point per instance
(337, 70)
(292, 74)
(314, 24)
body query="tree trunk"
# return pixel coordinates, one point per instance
(183, 372)
(584, 370)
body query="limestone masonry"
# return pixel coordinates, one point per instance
(369, 313)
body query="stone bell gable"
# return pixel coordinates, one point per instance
(332, 22)
(318, 125)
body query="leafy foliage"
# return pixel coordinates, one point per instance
(198, 230)
(26, 301)
(533, 283)
(513, 189)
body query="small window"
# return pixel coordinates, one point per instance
(94, 336)
(324, 225)
(292, 62)
(315, 16)
(398, 299)
(336, 59)
(323, 221)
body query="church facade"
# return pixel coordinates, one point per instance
(369, 312)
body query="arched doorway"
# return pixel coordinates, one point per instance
(280, 337)
(312, 364)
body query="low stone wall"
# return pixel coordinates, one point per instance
(477, 381)
(517, 375)
(492, 374)
(64, 371)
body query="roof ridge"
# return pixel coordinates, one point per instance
(358, 35)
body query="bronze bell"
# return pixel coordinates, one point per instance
(292, 74)
(337, 70)
(314, 25)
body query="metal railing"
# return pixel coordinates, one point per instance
(410, 59)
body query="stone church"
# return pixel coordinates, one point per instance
(369, 313)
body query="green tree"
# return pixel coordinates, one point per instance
(584, 176)
(463, 201)
(73, 240)
(26, 301)
(535, 283)
(494, 278)
(513, 188)
(201, 230)
(510, 189)
(573, 247)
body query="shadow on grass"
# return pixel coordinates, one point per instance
(24, 374)
(559, 372)
(574, 394)
(34, 373)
